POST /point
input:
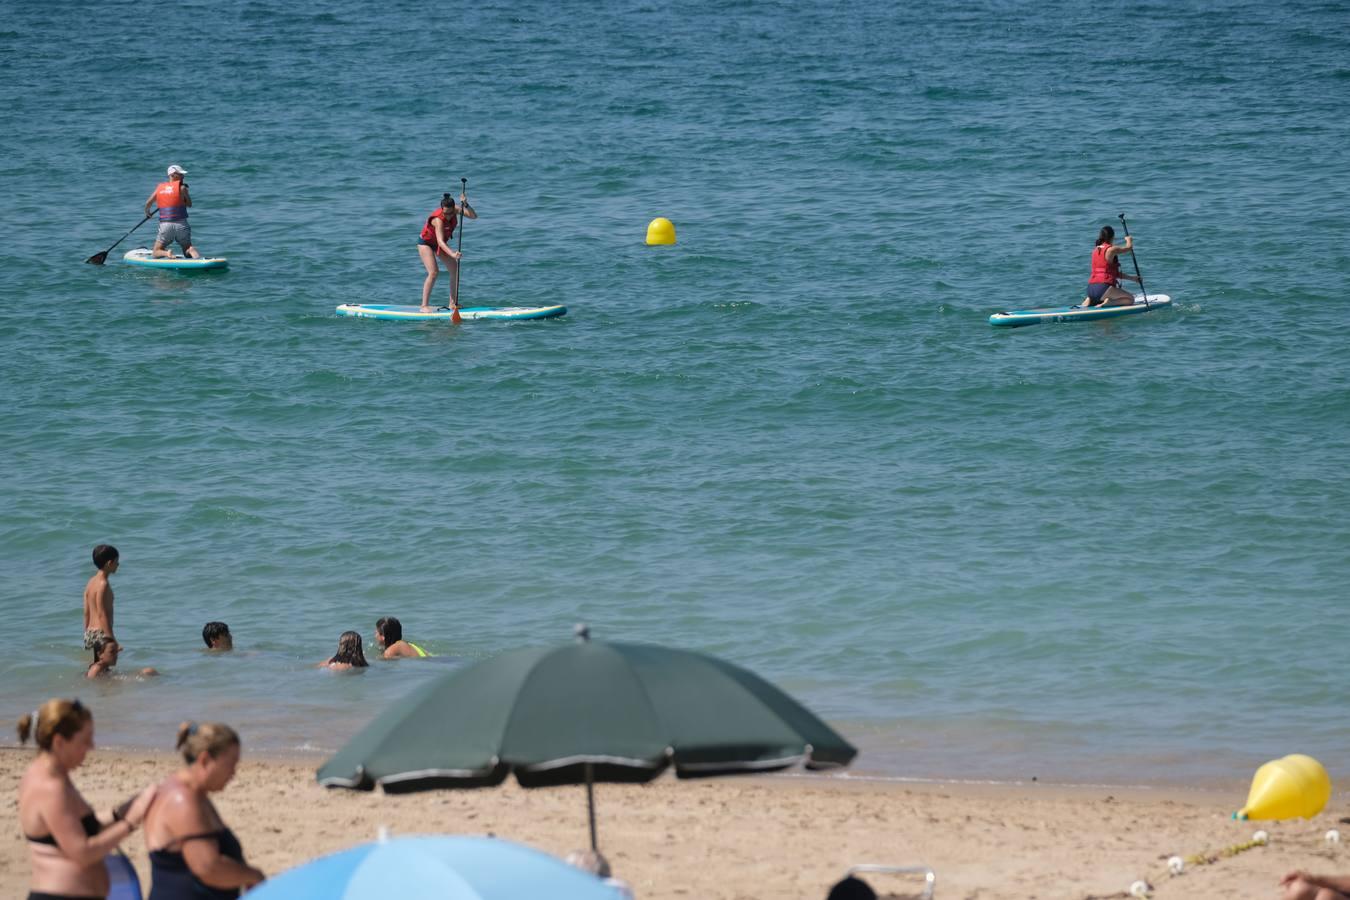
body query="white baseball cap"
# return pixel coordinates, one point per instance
(176, 169)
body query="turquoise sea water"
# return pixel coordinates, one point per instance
(1095, 552)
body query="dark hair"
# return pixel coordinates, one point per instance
(349, 650)
(63, 717)
(101, 644)
(447, 201)
(213, 630)
(1105, 236)
(852, 889)
(104, 554)
(391, 629)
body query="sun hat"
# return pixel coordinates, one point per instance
(176, 169)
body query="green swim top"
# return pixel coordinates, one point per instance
(421, 654)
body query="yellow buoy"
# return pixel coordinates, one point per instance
(1290, 788)
(660, 231)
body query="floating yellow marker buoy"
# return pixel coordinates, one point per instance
(1290, 788)
(660, 231)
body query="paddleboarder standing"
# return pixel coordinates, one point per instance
(173, 200)
(434, 244)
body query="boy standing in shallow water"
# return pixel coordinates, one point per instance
(98, 597)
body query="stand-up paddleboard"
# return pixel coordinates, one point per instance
(415, 313)
(1018, 317)
(144, 257)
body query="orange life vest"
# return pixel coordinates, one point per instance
(169, 199)
(1104, 271)
(429, 231)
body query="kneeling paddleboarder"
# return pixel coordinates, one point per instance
(173, 201)
(1104, 282)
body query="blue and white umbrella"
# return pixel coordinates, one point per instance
(440, 867)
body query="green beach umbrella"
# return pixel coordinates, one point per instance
(582, 713)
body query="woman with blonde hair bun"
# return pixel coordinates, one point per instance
(66, 840)
(193, 853)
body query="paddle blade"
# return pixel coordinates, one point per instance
(455, 317)
(98, 259)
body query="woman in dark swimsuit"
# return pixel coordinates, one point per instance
(194, 855)
(66, 840)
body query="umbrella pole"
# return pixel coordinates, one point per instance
(590, 804)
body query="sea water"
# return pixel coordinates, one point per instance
(1092, 552)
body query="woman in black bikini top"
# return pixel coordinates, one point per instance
(66, 840)
(194, 856)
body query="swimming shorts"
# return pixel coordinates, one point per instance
(1095, 291)
(171, 233)
(93, 634)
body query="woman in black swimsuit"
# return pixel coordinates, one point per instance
(193, 854)
(66, 840)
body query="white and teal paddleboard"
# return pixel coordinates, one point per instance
(1019, 317)
(417, 314)
(145, 258)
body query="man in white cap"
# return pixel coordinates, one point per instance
(173, 201)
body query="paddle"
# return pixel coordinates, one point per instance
(99, 258)
(459, 248)
(1137, 273)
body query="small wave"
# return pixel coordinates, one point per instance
(945, 92)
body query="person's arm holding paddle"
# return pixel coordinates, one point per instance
(1113, 252)
(461, 209)
(451, 256)
(467, 211)
(464, 208)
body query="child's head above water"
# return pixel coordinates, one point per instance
(217, 636)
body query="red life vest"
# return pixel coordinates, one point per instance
(429, 231)
(169, 199)
(1104, 272)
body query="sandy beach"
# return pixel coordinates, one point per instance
(765, 837)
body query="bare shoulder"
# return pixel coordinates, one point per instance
(176, 802)
(172, 792)
(40, 790)
(97, 588)
(37, 784)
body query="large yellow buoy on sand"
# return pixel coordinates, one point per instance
(660, 231)
(1290, 788)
